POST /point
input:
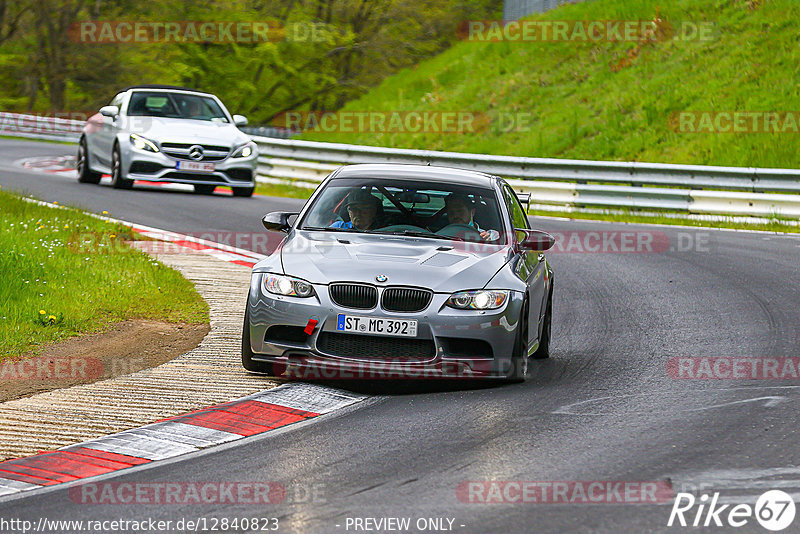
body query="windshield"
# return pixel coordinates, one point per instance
(413, 208)
(175, 105)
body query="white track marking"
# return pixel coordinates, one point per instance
(8, 487)
(308, 397)
(193, 435)
(131, 443)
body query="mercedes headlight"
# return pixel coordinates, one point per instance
(286, 285)
(142, 143)
(477, 300)
(244, 151)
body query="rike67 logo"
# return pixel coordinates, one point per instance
(774, 510)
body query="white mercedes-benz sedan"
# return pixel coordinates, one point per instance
(159, 133)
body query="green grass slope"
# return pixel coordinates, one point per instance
(581, 106)
(65, 273)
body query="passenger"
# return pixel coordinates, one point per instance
(461, 210)
(363, 210)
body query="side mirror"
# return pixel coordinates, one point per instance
(240, 120)
(277, 221)
(534, 239)
(109, 111)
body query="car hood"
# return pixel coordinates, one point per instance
(187, 131)
(445, 267)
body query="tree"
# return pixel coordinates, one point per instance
(11, 15)
(53, 19)
(332, 50)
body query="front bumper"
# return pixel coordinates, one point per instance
(462, 343)
(158, 167)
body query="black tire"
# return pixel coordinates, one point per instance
(204, 189)
(243, 191)
(85, 174)
(247, 352)
(118, 181)
(519, 358)
(543, 351)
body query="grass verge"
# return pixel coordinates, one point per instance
(279, 190)
(55, 141)
(66, 273)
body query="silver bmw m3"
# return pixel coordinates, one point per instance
(401, 271)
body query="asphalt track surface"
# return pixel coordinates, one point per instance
(602, 408)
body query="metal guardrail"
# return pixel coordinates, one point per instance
(559, 183)
(267, 131)
(516, 9)
(38, 127)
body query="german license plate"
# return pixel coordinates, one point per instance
(380, 326)
(195, 166)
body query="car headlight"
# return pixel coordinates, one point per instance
(287, 286)
(477, 300)
(142, 143)
(244, 151)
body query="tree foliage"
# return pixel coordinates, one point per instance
(322, 54)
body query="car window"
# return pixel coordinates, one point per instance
(450, 211)
(518, 217)
(175, 105)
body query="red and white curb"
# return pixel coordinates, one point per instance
(239, 256)
(60, 165)
(220, 251)
(183, 434)
(228, 253)
(176, 436)
(65, 166)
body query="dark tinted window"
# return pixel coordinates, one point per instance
(449, 211)
(519, 218)
(175, 105)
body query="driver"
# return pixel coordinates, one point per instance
(193, 107)
(363, 210)
(461, 210)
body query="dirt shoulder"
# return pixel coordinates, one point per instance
(129, 347)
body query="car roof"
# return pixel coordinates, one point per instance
(164, 88)
(416, 172)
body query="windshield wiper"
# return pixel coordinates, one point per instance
(413, 233)
(325, 229)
